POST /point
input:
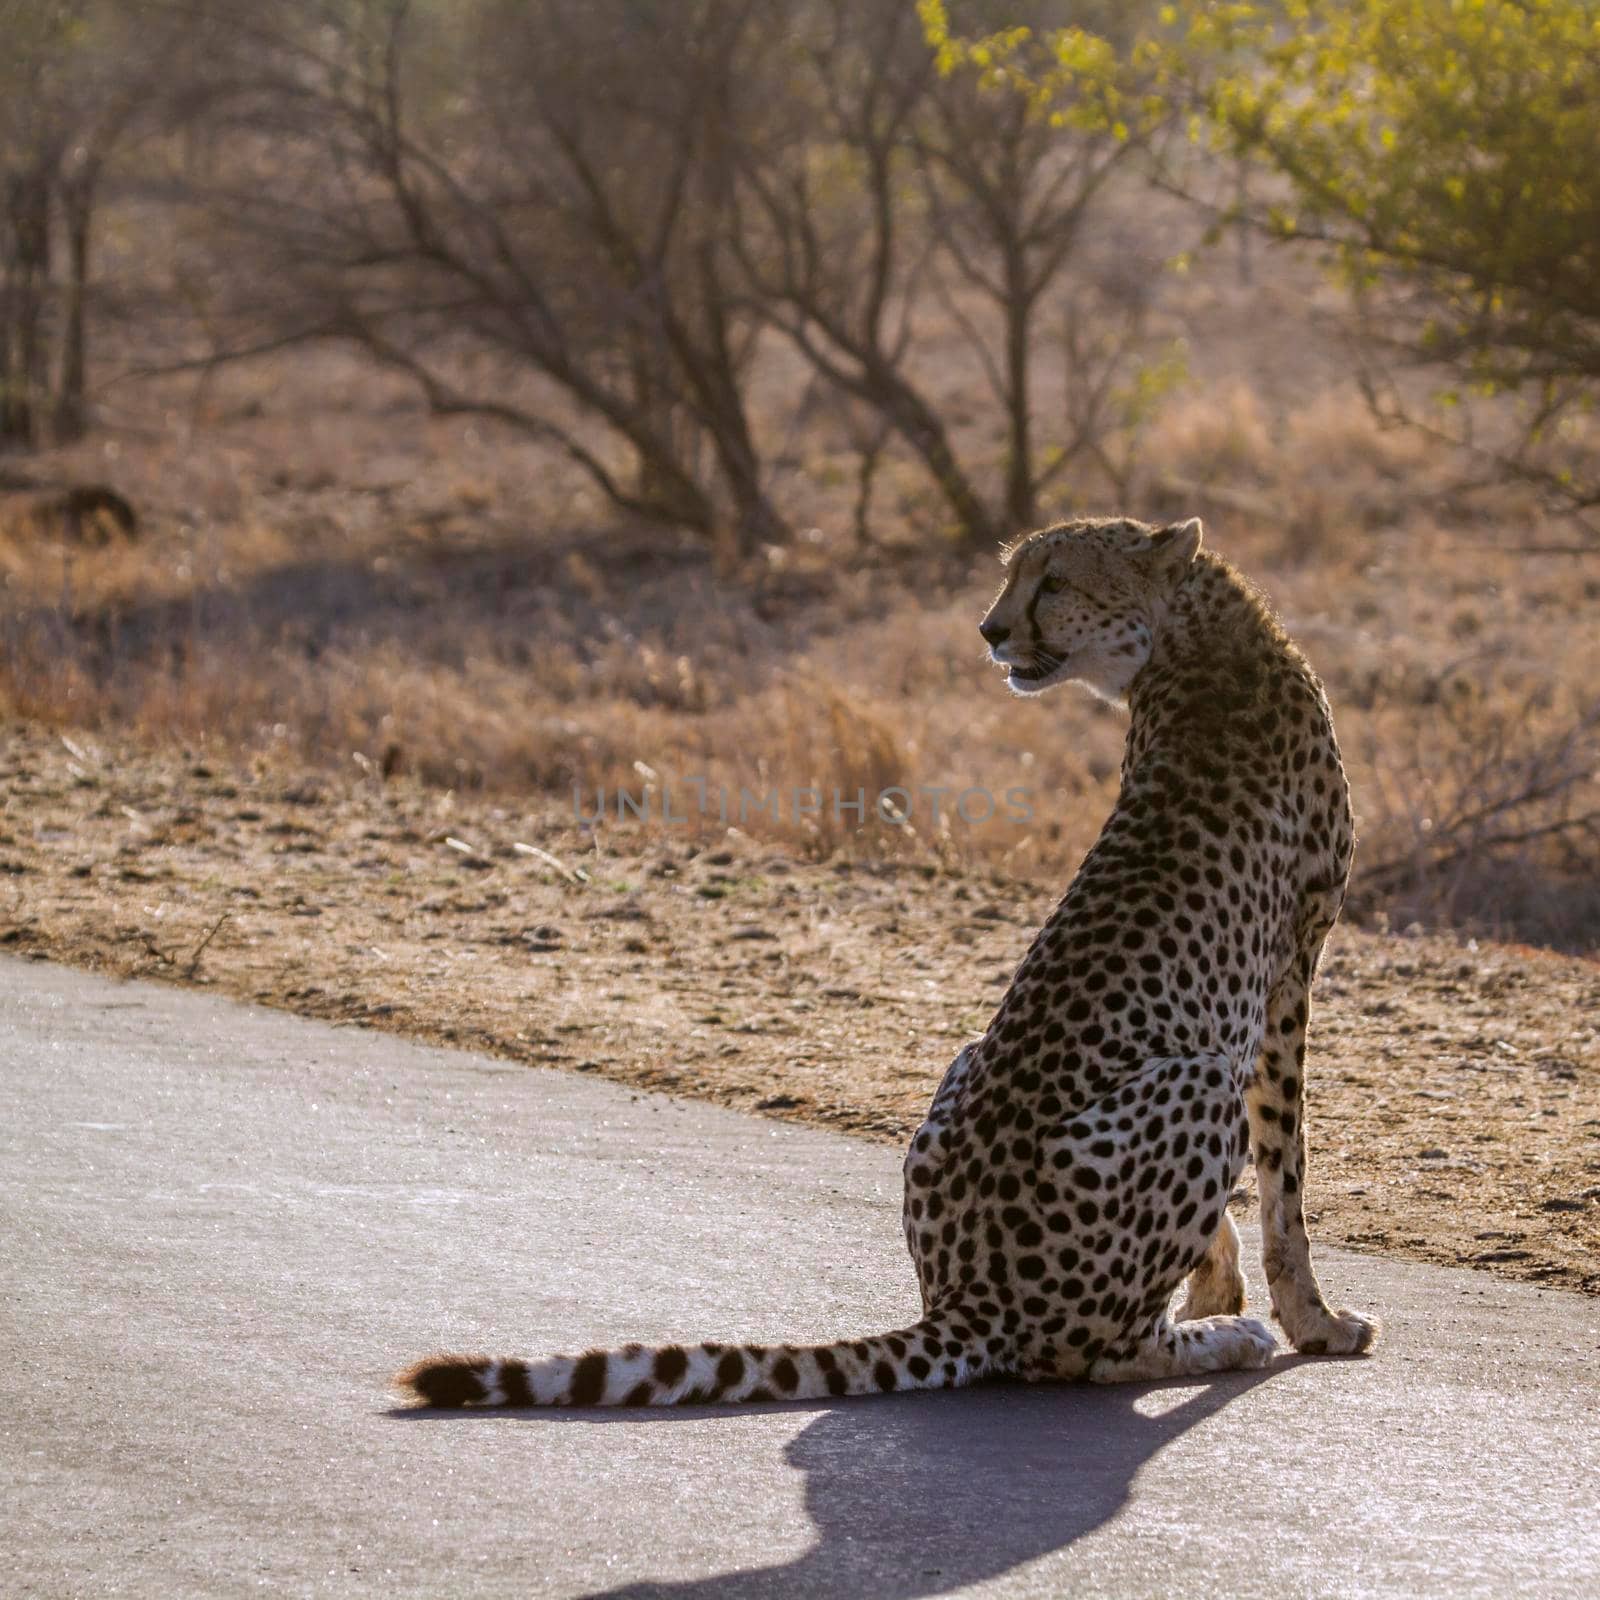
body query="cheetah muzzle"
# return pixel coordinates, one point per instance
(1075, 1165)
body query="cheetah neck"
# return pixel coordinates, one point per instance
(1217, 645)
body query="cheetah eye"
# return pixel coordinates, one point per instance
(1053, 584)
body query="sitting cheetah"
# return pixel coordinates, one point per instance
(1077, 1159)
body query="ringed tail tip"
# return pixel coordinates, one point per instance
(445, 1381)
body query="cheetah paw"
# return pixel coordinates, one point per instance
(1257, 1343)
(1334, 1333)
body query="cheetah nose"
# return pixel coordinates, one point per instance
(994, 633)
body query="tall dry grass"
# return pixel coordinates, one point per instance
(328, 576)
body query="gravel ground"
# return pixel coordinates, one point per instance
(1454, 1087)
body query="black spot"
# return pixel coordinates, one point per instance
(589, 1379)
(514, 1383)
(670, 1364)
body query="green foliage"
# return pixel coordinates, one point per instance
(1154, 380)
(1100, 74)
(1448, 150)
(1455, 141)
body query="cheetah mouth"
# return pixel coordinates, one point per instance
(1030, 677)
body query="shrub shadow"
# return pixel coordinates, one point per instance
(439, 600)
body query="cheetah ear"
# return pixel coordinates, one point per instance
(1177, 544)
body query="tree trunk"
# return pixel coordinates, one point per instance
(665, 490)
(714, 377)
(24, 373)
(759, 521)
(1021, 505)
(917, 423)
(71, 411)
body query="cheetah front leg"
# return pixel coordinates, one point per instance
(1275, 1099)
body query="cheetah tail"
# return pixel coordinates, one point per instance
(941, 1351)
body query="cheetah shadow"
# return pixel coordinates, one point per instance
(921, 1494)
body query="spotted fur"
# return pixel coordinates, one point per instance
(1076, 1162)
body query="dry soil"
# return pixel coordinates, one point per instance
(1454, 1090)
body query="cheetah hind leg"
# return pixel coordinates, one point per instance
(1209, 1344)
(1217, 1286)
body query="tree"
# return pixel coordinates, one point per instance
(584, 217)
(1011, 190)
(1451, 154)
(886, 182)
(1446, 150)
(78, 82)
(36, 127)
(521, 206)
(831, 253)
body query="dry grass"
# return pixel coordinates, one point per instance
(328, 576)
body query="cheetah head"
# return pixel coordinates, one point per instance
(1082, 602)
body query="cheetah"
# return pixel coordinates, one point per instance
(1075, 1166)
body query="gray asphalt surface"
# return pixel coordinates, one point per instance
(225, 1227)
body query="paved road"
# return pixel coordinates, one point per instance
(223, 1227)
